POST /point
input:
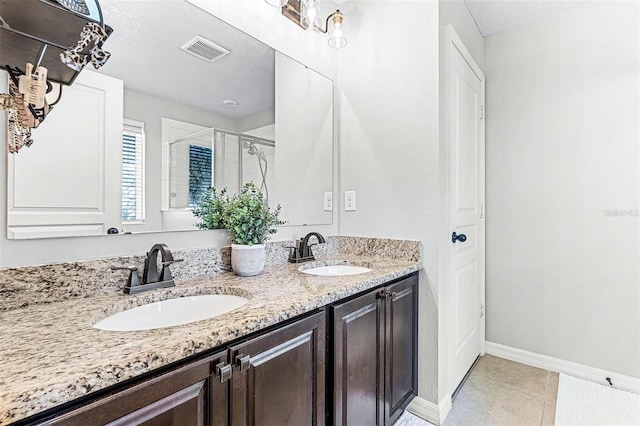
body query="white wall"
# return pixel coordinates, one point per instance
(563, 278)
(389, 141)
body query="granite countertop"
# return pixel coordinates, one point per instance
(50, 354)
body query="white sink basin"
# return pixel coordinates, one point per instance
(172, 312)
(335, 270)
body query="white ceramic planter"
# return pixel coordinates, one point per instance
(247, 261)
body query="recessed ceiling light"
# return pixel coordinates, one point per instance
(230, 103)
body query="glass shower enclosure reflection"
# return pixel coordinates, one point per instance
(221, 159)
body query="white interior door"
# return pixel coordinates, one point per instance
(466, 192)
(69, 182)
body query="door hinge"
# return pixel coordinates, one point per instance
(481, 310)
(481, 112)
(481, 211)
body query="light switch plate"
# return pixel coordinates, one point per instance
(349, 201)
(328, 201)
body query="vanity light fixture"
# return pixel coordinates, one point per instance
(309, 14)
(335, 27)
(304, 13)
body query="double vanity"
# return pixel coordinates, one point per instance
(329, 342)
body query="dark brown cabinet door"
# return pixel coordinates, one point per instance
(190, 395)
(401, 347)
(375, 355)
(279, 378)
(358, 366)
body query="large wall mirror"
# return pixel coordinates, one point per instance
(186, 102)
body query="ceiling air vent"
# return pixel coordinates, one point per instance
(204, 49)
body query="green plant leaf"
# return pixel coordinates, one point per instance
(246, 215)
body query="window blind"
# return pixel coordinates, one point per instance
(133, 172)
(199, 173)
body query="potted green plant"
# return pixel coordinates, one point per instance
(249, 220)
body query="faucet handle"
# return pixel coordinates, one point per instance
(134, 278)
(294, 254)
(124, 268)
(166, 272)
(170, 262)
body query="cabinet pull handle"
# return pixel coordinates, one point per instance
(386, 296)
(242, 362)
(223, 372)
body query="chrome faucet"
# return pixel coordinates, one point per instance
(150, 278)
(303, 253)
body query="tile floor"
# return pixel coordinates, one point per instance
(503, 392)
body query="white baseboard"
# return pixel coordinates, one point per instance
(592, 374)
(429, 411)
